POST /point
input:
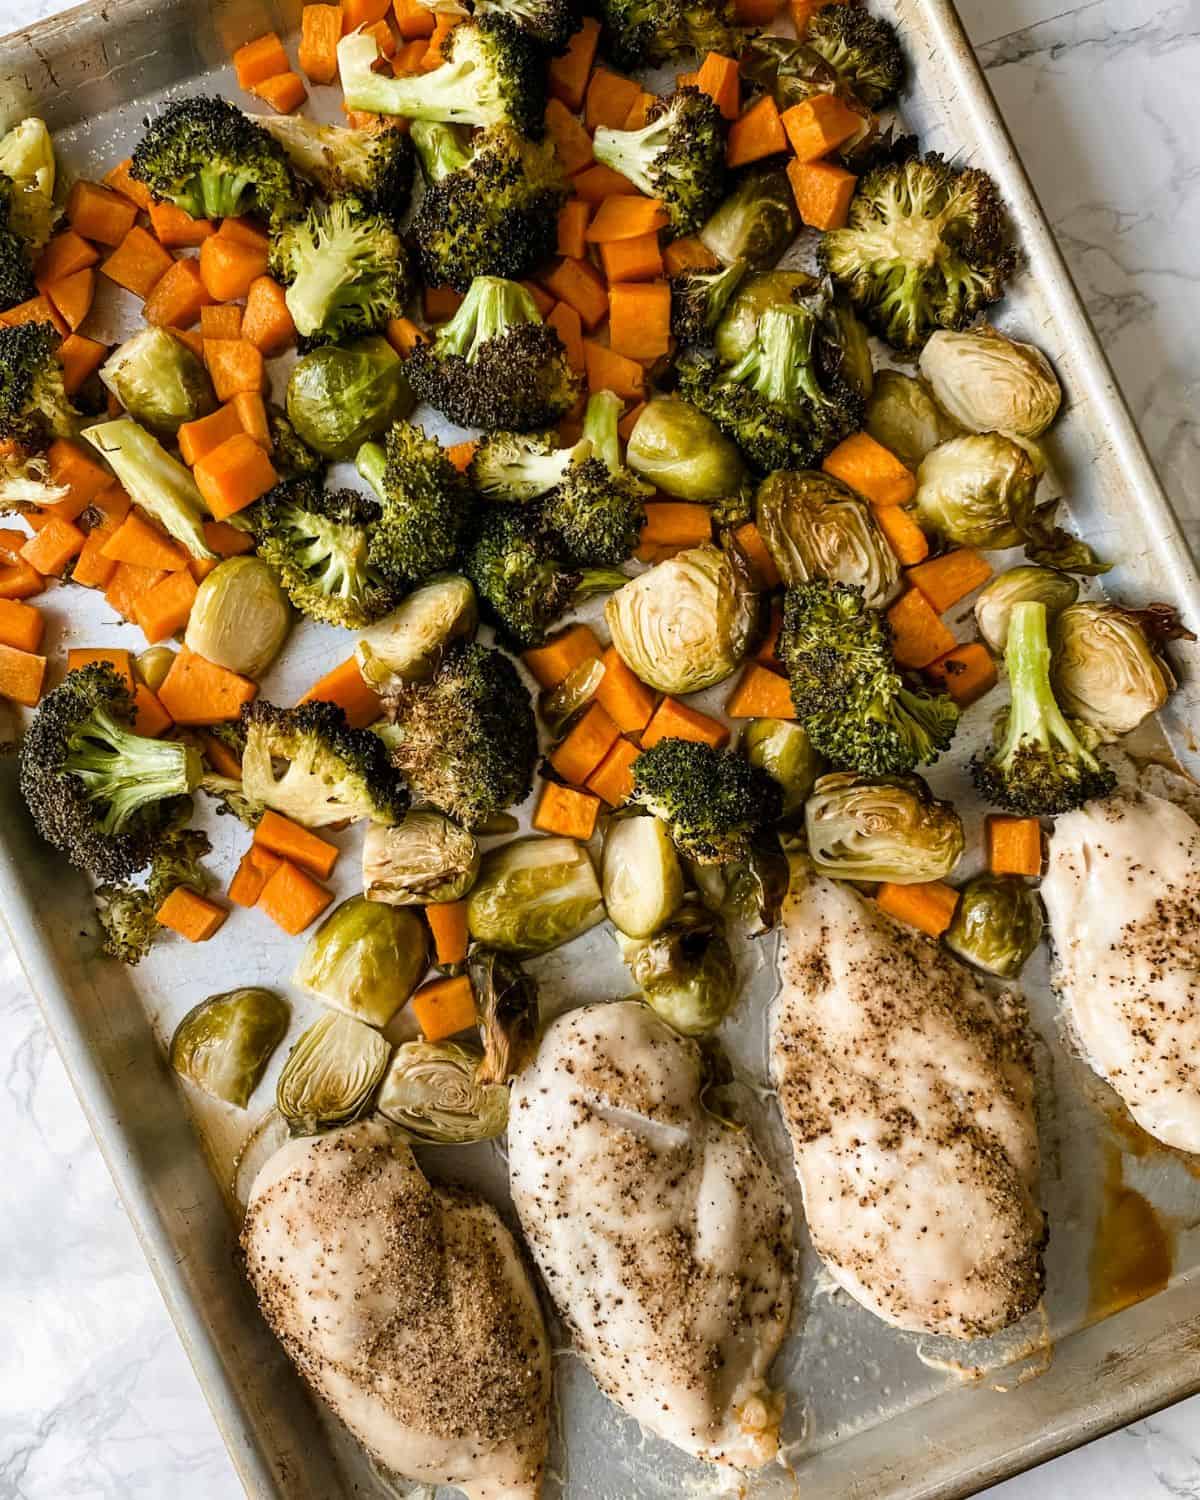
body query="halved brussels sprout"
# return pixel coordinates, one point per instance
(365, 959)
(891, 828)
(685, 623)
(788, 70)
(903, 416)
(533, 895)
(683, 454)
(159, 381)
(340, 397)
(756, 223)
(998, 924)
(559, 705)
(990, 383)
(223, 1045)
(814, 526)
(240, 617)
(735, 332)
(643, 883)
(431, 1092)
(782, 749)
(509, 1014)
(1106, 669)
(1024, 585)
(406, 645)
(331, 1073)
(686, 972)
(977, 491)
(421, 861)
(153, 664)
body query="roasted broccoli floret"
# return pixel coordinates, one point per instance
(375, 166)
(863, 50)
(925, 247)
(1038, 767)
(495, 364)
(786, 402)
(98, 792)
(34, 409)
(713, 802)
(678, 157)
(346, 270)
(548, 23)
(425, 504)
(16, 272)
(859, 710)
(231, 794)
(490, 208)
(308, 764)
(493, 75)
(698, 298)
(637, 32)
(467, 740)
(205, 156)
(290, 454)
(318, 541)
(128, 913)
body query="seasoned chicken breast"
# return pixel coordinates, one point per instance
(664, 1237)
(1122, 892)
(407, 1307)
(908, 1093)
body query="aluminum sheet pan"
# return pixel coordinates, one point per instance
(873, 1415)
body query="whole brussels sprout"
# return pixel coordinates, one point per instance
(756, 223)
(782, 749)
(330, 1074)
(903, 416)
(735, 332)
(1106, 669)
(891, 828)
(339, 397)
(223, 1045)
(1023, 585)
(406, 645)
(685, 623)
(240, 616)
(814, 526)
(365, 959)
(642, 879)
(159, 381)
(431, 1092)
(990, 383)
(977, 491)
(153, 664)
(683, 454)
(686, 972)
(421, 861)
(997, 925)
(533, 895)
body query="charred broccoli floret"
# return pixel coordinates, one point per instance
(495, 364)
(128, 913)
(1038, 768)
(548, 23)
(318, 541)
(714, 802)
(467, 739)
(16, 271)
(34, 409)
(97, 791)
(346, 270)
(490, 208)
(863, 50)
(698, 299)
(925, 247)
(858, 709)
(205, 156)
(425, 504)
(493, 75)
(678, 157)
(375, 166)
(308, 764)
(637, 32)
(785, 402)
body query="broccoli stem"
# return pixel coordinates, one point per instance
(634, 153)
(490, 308)
(600, 428)
(127, 771)
(1035, 717)
(313, 293)
(445, 94)
(371, 461)
(222, 191)
(439, 149)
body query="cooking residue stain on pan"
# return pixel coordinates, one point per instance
(1132, 1254)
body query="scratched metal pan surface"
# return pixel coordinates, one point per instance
(873, 1415)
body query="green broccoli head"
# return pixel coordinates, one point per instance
(495, 364)
(786, 402)
(425, 504)
(308, 764)
(318, 541)
(16, 271)
(206, 157)
(862, 49)
(128, 913)
(1039, 767)
(346, 270)
(489, 211)
(678, 157)
(549, 24)
(714, 802)
(375, 166)
(858, 709)
(493, 75)
(699, 298)
(34, 406)
(467, 738)
(97, 791)
(637, 32)
(925, 247)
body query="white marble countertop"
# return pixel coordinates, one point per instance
(97, 1401)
